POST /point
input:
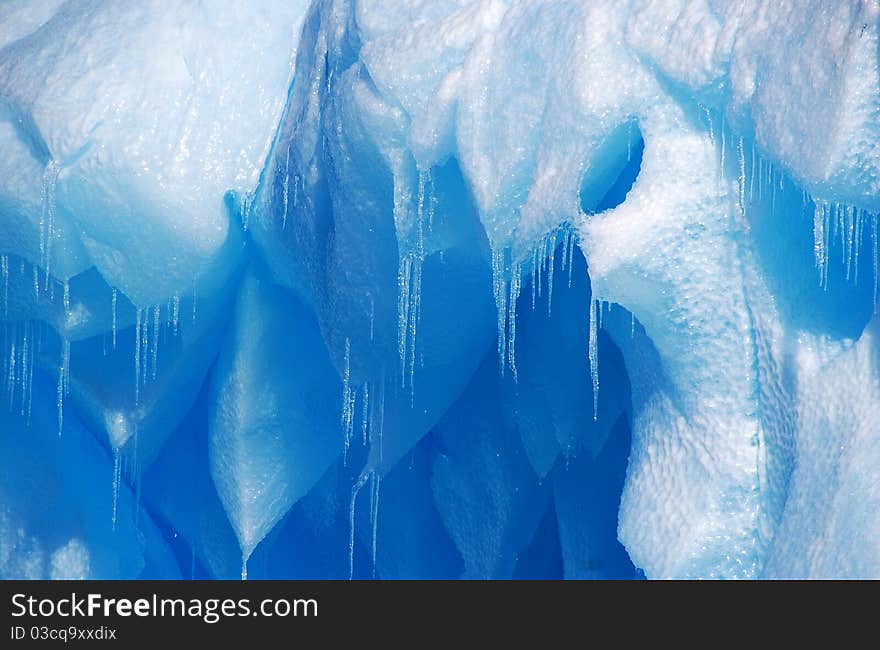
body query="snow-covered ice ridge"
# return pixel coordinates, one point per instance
(439, 288)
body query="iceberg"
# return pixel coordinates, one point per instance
(440, 289)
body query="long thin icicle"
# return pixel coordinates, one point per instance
(742, 175)
(365, 412)
(113, 307)
(551, 264)
(513, 295)
(499, 290)
(374, 518)
(63, 381)
(47, 217)
(506, 287)
(593, 353)
(117, 476)
(4, 272)
(351, 509)
(348, 401)
(154, 348)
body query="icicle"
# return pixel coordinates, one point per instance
(113, 317)
(365, 411)
(551, 264)
(381, 427)
(403, 303)
(409, 278)
(515, 280)
(742, 176)
(25, 353)
(351, 507)
(819, 238)
(347, 401)
(10, 374)
(534, 276)
(175, 314)
(4, 272)
(566, 242)
(145, 346)
(409, 282)
(9, 362)
(244, 561)
(849, 221)
(723, 148)
(372, 315)
(826, 226)
(47, 216)
(593, 354)
(117, 471)
(752, 174)
(36, 273)
(63, 379)
(11, 369)
(415, 313)
(137, 357)
(571, 258)
(65, 355)
(374, 517)
(539, 263)
(499, 289)
(155, 345)
(632, 325)
(30, 383)
(415, 310)
(22, 368)
(837, 229)
(506, 292)
(245, 209)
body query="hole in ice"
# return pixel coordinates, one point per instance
(615, 168)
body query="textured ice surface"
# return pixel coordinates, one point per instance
(440, 288)
(272, 437)
(134, 121)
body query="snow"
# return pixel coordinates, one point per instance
(439, 288)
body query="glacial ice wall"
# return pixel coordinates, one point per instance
(440, 288)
